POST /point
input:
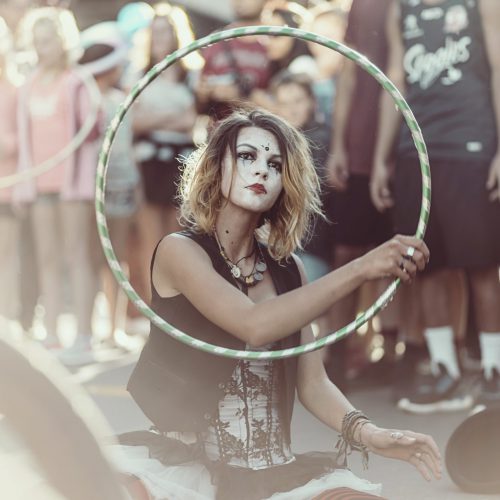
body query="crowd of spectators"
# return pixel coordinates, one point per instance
(50, 257)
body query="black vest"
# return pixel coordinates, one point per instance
(179, 387)
(448, 80)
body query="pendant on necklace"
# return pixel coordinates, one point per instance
(258, 276)
(261, 266)
(236, 271)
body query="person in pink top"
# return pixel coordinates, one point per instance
(8, 150)
(53, 105)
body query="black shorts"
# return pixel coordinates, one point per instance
(355, 220)
(161, 173)
(464, 226)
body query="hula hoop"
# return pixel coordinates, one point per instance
(119, 275)
(95, 99)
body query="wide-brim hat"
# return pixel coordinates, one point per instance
(106, 33)
(473, 453)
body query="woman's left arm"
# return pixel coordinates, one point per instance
(325, 401)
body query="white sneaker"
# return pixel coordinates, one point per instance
(80, 353)
(52, 343)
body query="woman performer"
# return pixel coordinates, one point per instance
(222, 426)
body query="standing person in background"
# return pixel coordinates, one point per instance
(358, 224)
(296, 102)
(12, 12)
(444, 53)
(326, 64)
(234, 68)
(9, 225)
(281, 50)
(105, 55)
(53, 104)
(164, 117)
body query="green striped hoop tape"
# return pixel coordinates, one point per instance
(361, 60)
(78, 139)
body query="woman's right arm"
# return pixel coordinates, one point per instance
(183, 267)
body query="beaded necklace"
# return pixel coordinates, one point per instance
(255, 275)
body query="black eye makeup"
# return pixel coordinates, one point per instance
(248, 157)
(276, 165)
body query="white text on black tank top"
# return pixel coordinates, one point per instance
(425, 68)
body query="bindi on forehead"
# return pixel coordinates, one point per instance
(256, 147)
(258, 138)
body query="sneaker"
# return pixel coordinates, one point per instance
(437, 393)
(80, 353)
(52, 343)
(489, 395)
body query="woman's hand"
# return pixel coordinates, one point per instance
(401, 257)
(420, 450)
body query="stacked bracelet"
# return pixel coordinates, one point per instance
(352, 423)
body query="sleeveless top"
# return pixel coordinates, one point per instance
(448, 80)
(180, 388)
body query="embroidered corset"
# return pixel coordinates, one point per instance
(246, 430)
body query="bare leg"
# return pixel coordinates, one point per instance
(340, 314)
(9, 289)
(344, 311)
(49, 252)
(29, 289)
(435, 299)
(119, 228)
(458, 302)
(485, 286)
(77, 219)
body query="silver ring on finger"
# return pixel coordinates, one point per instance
(410, 252)
(411, 259)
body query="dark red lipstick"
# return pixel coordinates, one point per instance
(258, 188)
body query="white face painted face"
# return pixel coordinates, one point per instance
(256, 182)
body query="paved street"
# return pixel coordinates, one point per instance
(106, 382)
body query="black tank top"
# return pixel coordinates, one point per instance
(448, 80)
(178, 387)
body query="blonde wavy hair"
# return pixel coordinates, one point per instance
(64, 23)
(5, 49)
(182, 30)
(287, 225)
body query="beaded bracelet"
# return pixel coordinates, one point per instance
(353, 421)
